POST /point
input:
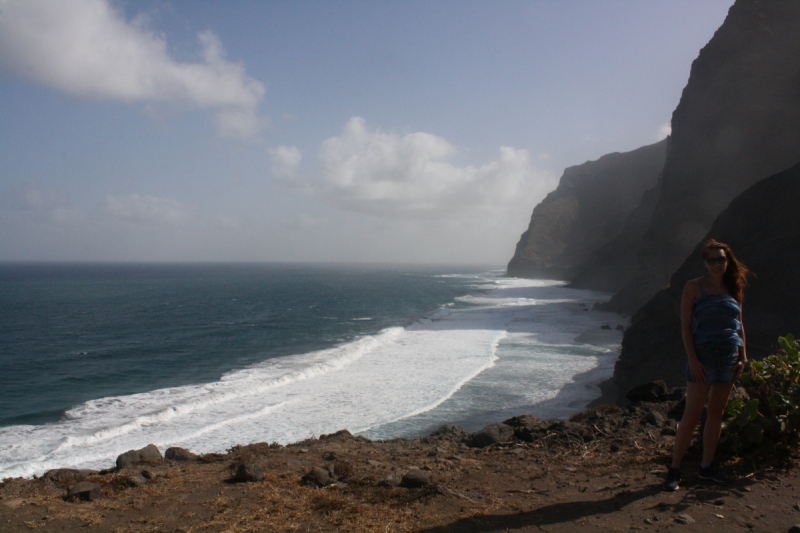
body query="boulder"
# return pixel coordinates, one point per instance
(69, 476)
(318, 477)
(179, 454)
(526, 427)
(150, 454)
(249, 472)
(654, 418)
(491, 434)
(415, 479)
(654, 391)
(128, 459)
(84, 491)
(342, 434)
(450, 432)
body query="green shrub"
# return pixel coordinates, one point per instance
(766, 414)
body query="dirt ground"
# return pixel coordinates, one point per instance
(601, 472)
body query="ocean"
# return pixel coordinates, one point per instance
(98, 359)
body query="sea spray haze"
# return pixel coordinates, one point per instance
(99, 359)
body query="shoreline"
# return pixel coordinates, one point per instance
(600, 470)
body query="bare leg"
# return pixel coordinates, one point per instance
(696, 395)
(717, 400)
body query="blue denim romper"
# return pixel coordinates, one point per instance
(715, 327)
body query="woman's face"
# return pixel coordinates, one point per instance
(716, 261)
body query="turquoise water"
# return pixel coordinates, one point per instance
(72, 333)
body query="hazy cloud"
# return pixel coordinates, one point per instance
(86, 48)
(42, 205)
(146, 210)
(411, 175)
(664, 131)
(286, 162)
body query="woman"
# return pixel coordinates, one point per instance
(713, 335)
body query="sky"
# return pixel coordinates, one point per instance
(319, 131)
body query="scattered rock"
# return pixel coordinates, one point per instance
(136, 480)
(614, 448)
(342, 434)
(148, 474)
(150, 454)
(415, 479)
(684, 519)
(394, 479)
(373, 462)
(329, 456)
(128, 459)
(654, 418)
(655, 391)
(68, 476)
(795, 529)
(318, 477)
(668, 432)
(179, 454)
(491, 434)
(249, 472)
(526, 427)
(450, 432)
(84, 491)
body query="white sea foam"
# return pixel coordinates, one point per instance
(519, 344)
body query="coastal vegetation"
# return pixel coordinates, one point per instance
(765, 416)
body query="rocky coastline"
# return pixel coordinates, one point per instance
(600, 471)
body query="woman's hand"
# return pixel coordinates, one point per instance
(698, 370)
(739, 368)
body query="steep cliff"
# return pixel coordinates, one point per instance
(738, 121)
(762, 226)
(587, 210)
(612, 266)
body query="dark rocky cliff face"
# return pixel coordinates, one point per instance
(762, 226)
(738, 121)
(587, 210)
(613, 265)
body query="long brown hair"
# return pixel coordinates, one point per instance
(736, 274)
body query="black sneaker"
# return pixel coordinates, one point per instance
(712, 474)
(673, 480)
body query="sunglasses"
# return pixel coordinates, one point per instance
(716, 260)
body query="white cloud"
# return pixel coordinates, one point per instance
(146, 210)
(408, 176)
(664, 131)
(286, 162)
(86, 48)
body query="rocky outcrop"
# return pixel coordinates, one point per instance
(762, 226)
(587, 210)
(738, 121)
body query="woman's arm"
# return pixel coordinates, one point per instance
(690, 292)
